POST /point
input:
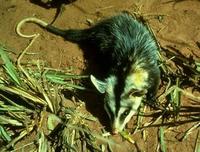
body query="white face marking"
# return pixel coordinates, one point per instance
(110, 105)
(119, 125)
(122, 119)
(131, 98)
(122, 106)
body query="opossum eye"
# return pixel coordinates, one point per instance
(125, 113)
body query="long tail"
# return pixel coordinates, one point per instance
(73, 35)
(30, 19)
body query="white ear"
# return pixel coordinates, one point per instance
(100, 85)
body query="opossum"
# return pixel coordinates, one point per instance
(131, 53)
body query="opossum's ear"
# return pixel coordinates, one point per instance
(100, 85)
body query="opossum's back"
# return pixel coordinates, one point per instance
(124, 37)
(117, 38)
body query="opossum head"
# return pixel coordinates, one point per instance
(123, 95)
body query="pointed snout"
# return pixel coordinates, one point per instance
(115, 131)
(116, 127)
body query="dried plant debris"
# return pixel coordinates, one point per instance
(30, 103)
(197, 143)
(184, 68)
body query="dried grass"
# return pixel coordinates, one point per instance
(30, 103)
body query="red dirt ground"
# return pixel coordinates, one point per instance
(174, 22)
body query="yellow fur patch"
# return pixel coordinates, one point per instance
(139, 78)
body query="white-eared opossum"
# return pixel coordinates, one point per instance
(130, 52)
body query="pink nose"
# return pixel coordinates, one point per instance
(114, 131)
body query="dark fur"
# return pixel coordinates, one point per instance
(120, 41)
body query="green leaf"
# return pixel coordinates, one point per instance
(4, 134)
(53, 121)
(8, 121)
(197, 66)
(8, 66)
(162, 141)
(43, 144)
(21, 92)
